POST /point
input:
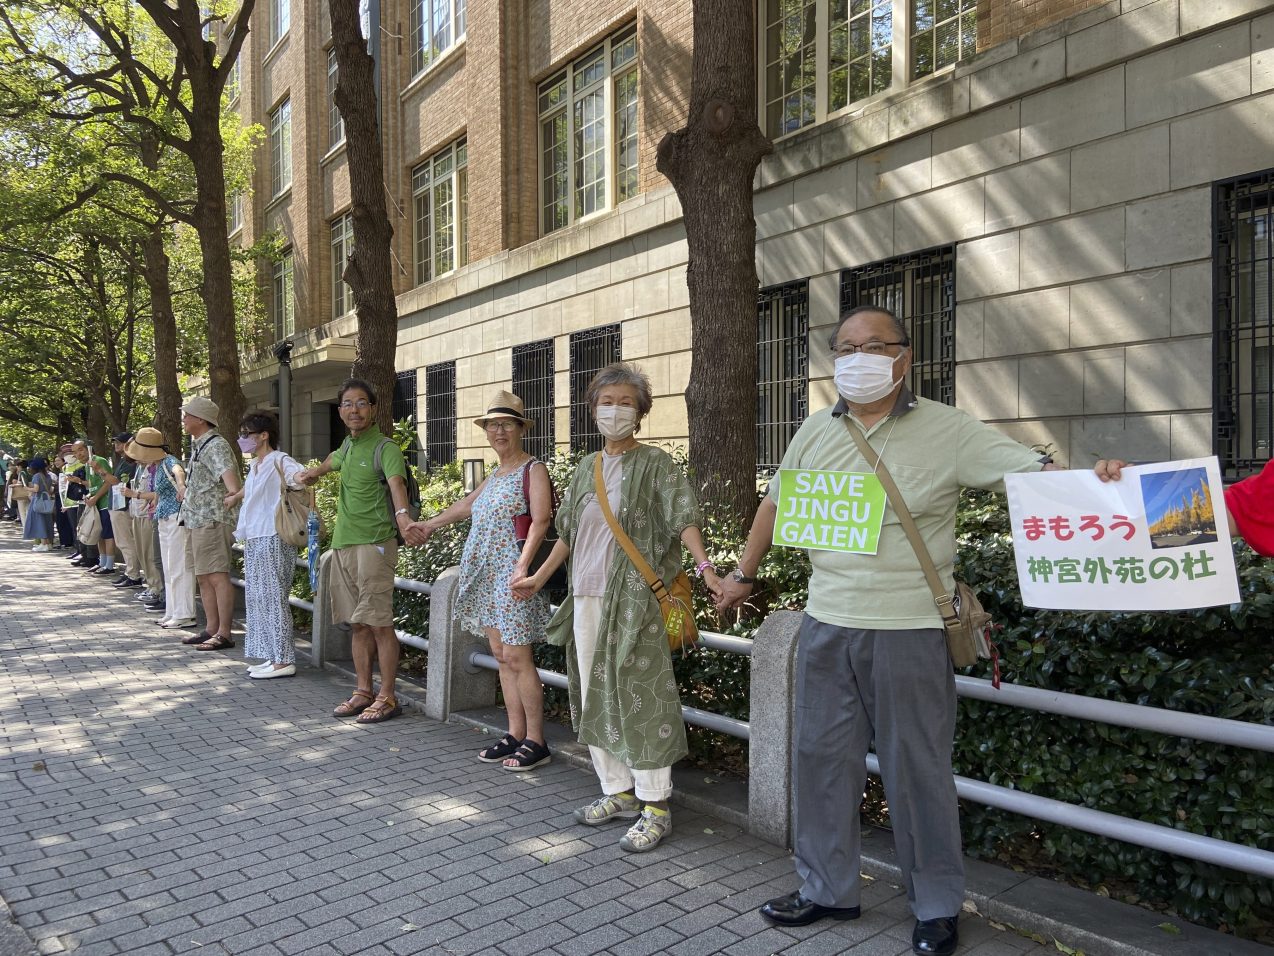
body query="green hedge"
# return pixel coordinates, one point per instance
(1218, 661)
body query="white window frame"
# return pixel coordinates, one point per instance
(280, 20)
(342, 244)
(234, 212)
(608, 112)
(424, 180)
(420, 52)
(281, 148)
(903, 14)
(283, 296)
(335, 122)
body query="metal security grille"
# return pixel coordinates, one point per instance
(591, 351)
(920, 290)
(782, 368)
(1243, 321)
(440, 414)
(405, 408)
(533, 383)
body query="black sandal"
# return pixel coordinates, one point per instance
(505, 747)
(199, 638)
(529, 756)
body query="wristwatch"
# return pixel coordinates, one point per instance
(739, 577)
(401, 511)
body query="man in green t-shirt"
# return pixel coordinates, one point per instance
(97, 480)
(872, 662)
(365, 548)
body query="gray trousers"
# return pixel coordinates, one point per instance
(895, 688)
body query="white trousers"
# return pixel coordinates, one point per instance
(179, 580)
(615, 775)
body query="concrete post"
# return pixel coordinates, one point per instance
(328, 641)
(453, 684)
(771, 725)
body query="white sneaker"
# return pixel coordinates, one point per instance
(184, 622)
(41, 548)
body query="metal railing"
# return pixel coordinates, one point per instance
(1167, 839)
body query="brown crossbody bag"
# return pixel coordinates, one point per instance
(675, 602)
(968, 627)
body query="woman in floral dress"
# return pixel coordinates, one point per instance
(491, 559)
(624, 700)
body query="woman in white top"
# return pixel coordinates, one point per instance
(268, 563)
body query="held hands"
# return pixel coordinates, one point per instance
(523, 587)
(730, 593)
(714, 584)
(1110, 469)
(416, 533)
(306, 477)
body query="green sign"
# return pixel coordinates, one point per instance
(830, 511)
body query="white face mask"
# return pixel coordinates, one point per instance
(863, 379)
(616, 422)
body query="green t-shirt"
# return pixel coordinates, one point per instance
(95, 481)
(361, 514)
(932, 451)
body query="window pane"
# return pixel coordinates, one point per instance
(591, 351)
(424, 229)
(281, 148)
(553, 166)
(626, 136)
(782, 343)
(440, 414)
(335, 124)
(533, 383)
(444, 211)
(943, 32)
(790, 38)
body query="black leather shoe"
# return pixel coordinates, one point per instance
(795, 910)
(935, 937)
(121, 581)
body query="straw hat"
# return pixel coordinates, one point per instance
(147, 446)
(204, 408)
(505, 405)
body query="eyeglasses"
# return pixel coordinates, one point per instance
(362, 405)
(504, 425)
(871, 348)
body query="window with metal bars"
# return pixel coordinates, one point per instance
(591, 351)
(920, 290)
(1243, 322)
(440, 414)
(782, 369)
(405, 408)
(533, 383)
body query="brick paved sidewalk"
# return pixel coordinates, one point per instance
(153, 800)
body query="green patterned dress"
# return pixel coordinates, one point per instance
(632, 710)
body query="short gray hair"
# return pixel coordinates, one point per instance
(900, 330)
(622, 373)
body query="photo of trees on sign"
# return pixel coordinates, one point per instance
(1178, 508)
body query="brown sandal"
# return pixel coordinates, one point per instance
(351, 707)
(218, 642)
(385, 707)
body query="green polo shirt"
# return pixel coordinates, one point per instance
(931, 450)
(361, 514)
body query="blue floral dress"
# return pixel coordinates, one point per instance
(490, 553)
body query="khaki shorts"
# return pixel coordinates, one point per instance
(362, 584)
(210, 549)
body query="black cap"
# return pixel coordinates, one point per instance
(123, 438)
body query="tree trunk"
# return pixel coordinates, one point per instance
(167, 392)
(369, 270)
(711, 163)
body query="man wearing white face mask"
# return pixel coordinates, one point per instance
(872, 661)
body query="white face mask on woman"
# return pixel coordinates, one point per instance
(863, 379)
(616, 422)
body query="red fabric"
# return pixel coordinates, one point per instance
(1251, 502)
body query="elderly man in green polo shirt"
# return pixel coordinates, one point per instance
(872, 661)
(365, 548)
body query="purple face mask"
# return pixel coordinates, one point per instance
(247, 444)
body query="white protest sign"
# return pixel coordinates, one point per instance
(1155, 540)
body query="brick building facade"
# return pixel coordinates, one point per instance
(1068, 201)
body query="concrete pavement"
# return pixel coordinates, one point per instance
(153, 800)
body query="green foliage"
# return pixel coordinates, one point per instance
(1214, 661)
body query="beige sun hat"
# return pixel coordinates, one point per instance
(202, 407)
(505, 405)
(147, 445)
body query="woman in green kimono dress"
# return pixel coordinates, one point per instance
(624, 701)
